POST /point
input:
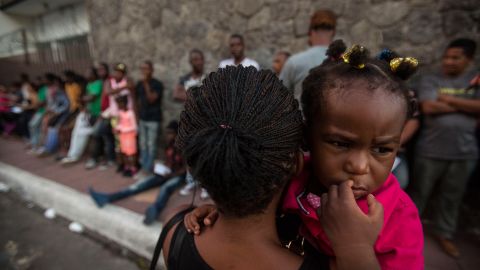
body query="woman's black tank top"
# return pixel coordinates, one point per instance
(184, 255)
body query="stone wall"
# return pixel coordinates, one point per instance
(165, 30)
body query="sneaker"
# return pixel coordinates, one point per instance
(90, 164)
(42, 151)
(204, 194)
(68, 160)
(139, 175)
(187, 189)
(150, 215)
(100, 199)
(106, 165)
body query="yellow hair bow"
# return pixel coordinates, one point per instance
(395, 62)
(346, 56)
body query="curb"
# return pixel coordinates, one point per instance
(118, 224)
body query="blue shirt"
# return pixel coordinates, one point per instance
(298, 65)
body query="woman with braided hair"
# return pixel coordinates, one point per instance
(240, 134)
(355, 109)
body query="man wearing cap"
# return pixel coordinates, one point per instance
(320, 35)
(120, 85)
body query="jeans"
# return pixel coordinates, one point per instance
(52, 141)
(148, 135)
(166, 190)
(137, 187)
(451, 178)
(35, 128)
(189, 178)
(103, 136)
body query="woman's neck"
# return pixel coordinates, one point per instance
(250, 229)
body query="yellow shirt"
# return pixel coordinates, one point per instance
(74, 93)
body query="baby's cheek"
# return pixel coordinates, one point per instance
(378, 182)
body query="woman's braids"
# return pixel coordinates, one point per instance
(388, 72)
(240, 133)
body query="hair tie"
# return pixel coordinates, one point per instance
(387, 55)
(225, 126)
(355, 49)
(396, 62)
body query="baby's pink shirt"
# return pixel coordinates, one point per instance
(400, 243)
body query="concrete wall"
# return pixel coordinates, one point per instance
(63, 23)
(68, 21)
(10, 23)
(165, 30)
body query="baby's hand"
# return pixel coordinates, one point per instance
(207, 212)
(345, 224)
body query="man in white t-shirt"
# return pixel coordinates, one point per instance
(237, 49)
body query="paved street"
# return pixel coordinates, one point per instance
(30, 241)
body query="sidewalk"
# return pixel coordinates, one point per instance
(50, 185)
(129, 212)
(13, 152)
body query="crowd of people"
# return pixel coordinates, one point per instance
(112, 121)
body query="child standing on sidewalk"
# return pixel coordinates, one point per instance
(127, 135)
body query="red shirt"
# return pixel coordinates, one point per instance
(104, 99)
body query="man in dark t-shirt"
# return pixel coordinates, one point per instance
(191, 79)
(446, 151)
(149, 93)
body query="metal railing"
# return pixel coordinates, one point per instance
(56, 56)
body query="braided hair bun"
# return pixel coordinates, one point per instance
(240, 133)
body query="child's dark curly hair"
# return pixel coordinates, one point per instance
(354, 66)
(240, 133)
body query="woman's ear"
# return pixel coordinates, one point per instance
(299, 166)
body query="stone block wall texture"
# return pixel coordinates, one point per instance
(165, 30)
